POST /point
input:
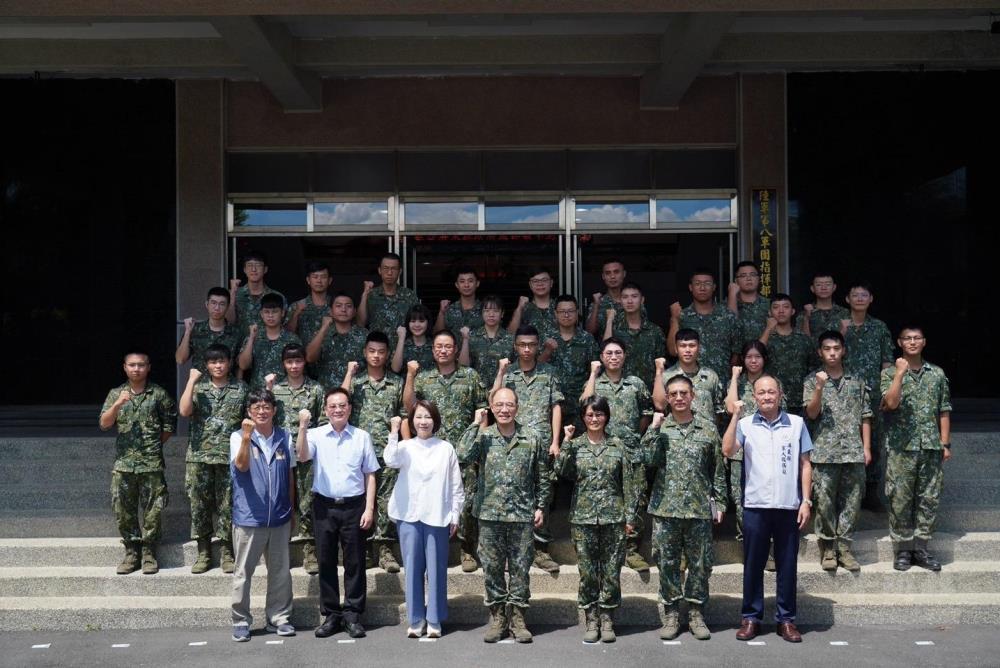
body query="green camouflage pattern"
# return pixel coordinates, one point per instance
(140, 423)
(455, 318)
(734, 490)
(202, 337)
(913, 482)
(337, 350)
(709, 399)
(571, 361)
(218, 412)
(836, 433)
(304, 499)
(308, 395)
(837, 490)
(542, 319)
(821, 320)
(506, 544)
(457, 396)
(600, 555)
(643, 346)
(248, 307)
(867, 348)
(267, 356)
(629, 400)
(604, 491)
(209, 488)
(385, 482)
(790, 359)
(374, 403)
(387, 312)
(914, 424)
(719, 337)
(602, 307)
(537, 392)
(423, 354)
(485, 353)
(139, 493)
(752, 318)
(310, 317)
(675, 538)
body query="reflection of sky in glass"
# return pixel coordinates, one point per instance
(252, 217)
(441, 213)
(692, 210)
(520, 214)
(619, 212)
(350, 213)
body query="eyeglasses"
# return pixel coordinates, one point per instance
(254, 265)
(539, 281)
(563, 311)
(261, 408)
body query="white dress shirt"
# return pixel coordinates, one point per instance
(429, 488)
(341, 459)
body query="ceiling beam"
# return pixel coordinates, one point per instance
(685, 47)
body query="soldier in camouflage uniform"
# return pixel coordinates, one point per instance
(146, 417)
(688, 494)
(216, 406)
(708, 398)
(644, 340)
(539, 395)
(916, 399)
(261, 354)
(337, 342)
(295, 392)
(840, 421)
(717, 327)
(539, 310)
(384, 308)
(244, 301)
(747, 304)
(376, 398)
(515, 488)
(613, 274)
(467, 311)
(413, 341)
(823, 315)
(458, 392)
(306, 315)
(603, 509)
(571, 358)
(792, 353)
(485, 346)
(631, 410)
(198, 336)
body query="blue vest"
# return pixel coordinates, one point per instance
(261, 496)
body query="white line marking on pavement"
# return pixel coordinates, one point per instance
(427, 640)
(200, 643)
(45, 646)
(671, 642)
(506, 641)
(839, 643)
(345, 641)
(121, 645)
(275, 642)
(756, 642)
(924, 642)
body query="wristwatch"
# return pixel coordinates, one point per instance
(808, 501)
(946, 446)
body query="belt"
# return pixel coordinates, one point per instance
(340, 500)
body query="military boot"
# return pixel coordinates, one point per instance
(593, 633)
(827, 555)
(498, 623)
(227, 561)
(921, 557)
(309, 562)
(544, 560)
(670, 617)
(696, 623)
(469, 563)
(633, 559)
(387, 560)
(149, 565)
(204, 560)
(130, 563)
(517, 626)
(845, 558)
(607, 627)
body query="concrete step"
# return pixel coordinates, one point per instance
(93, 471)
(87, 522)
(982, 492)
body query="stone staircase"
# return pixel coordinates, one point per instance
(59, 549)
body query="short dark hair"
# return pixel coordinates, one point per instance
(446, 332)
(418, 312)
(218, 351)
(820, 273)
(615, 340)
(679, 378)
(599, 404)
(254, 254)
(315, 265)
(336, 390)
(702, 271)
(863, 284)
(913, 327)
(783, 297)
(261, 395)
(612, 260)
(492, 300)
(293, 351)
(569, 299)
(538, 269)
(137, 351)
(431, 408)
(746, 263)
(377, 337)
(272, 300)
(687, 334)
(217, 291)
(631, 285)
(465, 269)
(831, 335)
(342, 293)
(526, 330)
(389, 255)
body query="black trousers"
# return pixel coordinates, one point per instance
(339, 524)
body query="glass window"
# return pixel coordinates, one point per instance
(283, 214)
(613, 213)
(351, 213)
(693, 211)
(464, 214)
(522, 214)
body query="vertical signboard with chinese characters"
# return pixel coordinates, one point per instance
(764, 221)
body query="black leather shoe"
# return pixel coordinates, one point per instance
(355, 630)
(329, 626)
(925, 559)
(903, 561)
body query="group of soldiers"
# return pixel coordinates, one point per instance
(596, 402)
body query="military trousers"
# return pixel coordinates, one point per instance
(385, 528)
(734, 483)
(600, 553)
(673, 537)
(209, 488)
(837, 490)
(304, 500)
(506, 544)
(135, 494)
(913, 482)
(640, 477)
(468, 525)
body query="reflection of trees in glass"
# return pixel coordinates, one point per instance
(240, 217)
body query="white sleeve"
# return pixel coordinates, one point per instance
(235, 441)
(457, 488)
(394, 452)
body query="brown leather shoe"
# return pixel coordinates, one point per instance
(749, 628)
(788, 631)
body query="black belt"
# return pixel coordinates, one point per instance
(340, 500)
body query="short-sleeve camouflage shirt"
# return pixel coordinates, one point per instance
(140, 423)
(455, 318)
(542, 319)
(308, 395)
(752, 317)
(708, 395)
(868, 348)
(485, 353)
(914, 424)
(821, 320)
(218, 412)
(571, 360)
(248, 307)
(644, 345)
(203, 336)
(604, 491)
(310, 317)
(607, 301)
(457, 396)
(337, 351)
(630, 401)
(790, 357)
(387, 312)
(424, 353)
(836, 433)
(718, 333)
(537, 392)
(267, 356)
(374, 403)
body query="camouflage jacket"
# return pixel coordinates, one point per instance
(827, 319)
(387, 312)
(457, 396)
(140, 422)
(644, 346)
(337, 351)
(373, 403)
(709, 400)
(572, 364)
(514, 474)
(423, 354)
(790, 359)
(719, 337)
(608, 302)
(290, 401)
(542, 319)
(836, 433)
(752, 318)
(485, 353)
(914, 424)
(537, 392)
(218, 412)
(868, 348)
(310, 317)
(690, 468)
(605, 491)
(202, 337)
(248, 307)
(629, 401)
(267, 356)
(455, 318)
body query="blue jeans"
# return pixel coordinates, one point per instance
(760, 526)
(425, 550)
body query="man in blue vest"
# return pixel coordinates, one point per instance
(262, 463)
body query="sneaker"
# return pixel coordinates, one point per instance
(241, 633)
(281, 629)
(416, 630)
(433, 630)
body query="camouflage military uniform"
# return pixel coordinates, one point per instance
(423, 354)
(708, 396)
(689, 475)
(202, 337)
(218, 412)
(542, 319)
(718, 334)
(457, 396)
(267, 356)
(790, 359)
(913, 475)
(821, 320)
(572, 363)
(387, 312)
(752, 318)
(290, 401)
(838, 456)
(310, 318)
(644, 345)
(516, 481)
(137, 480)
(248, 307)
(455, 318)
(373, 403)
(867, 348)
(337, 351)
(485, 353)
(604, 500)
(602, 306)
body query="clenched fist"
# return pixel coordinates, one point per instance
(821, 378)
(737, 370)
(188, 324)
(660, 363)
(444, 305)
(234, 284)
(194, 375)
(247, 427)
(568, 432)
(401, 332)
(675, 310)
(352, 367)
(304, 417)
(595, 368)
(394, 423)
(412, 367)
(657, 420)
(522, 301)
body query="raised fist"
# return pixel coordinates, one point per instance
(247, 426)
(394, 423)
(809, 308)
(305, 416)
(661, 363)
(352, 367)
(737, 370)
(326, 321)
(412, 367)
(503, 364)
(821, 378)
(902, 365)
(464, 331)
(194, 375)
(522, 301)
(675, 310)
(253, 331)
(367, 286)
(595, 368)
(568, 432)
(738, 408)
(734, 289)
(401, 332)
(124, 397)
(444, 305)
(597, 297)
(844, 324)
(269, 380)
(481, 416)
(657, 420)
(188, 324)
(551, 344)
(772, 323)
(234, 284)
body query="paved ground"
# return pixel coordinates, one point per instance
(883, 646)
